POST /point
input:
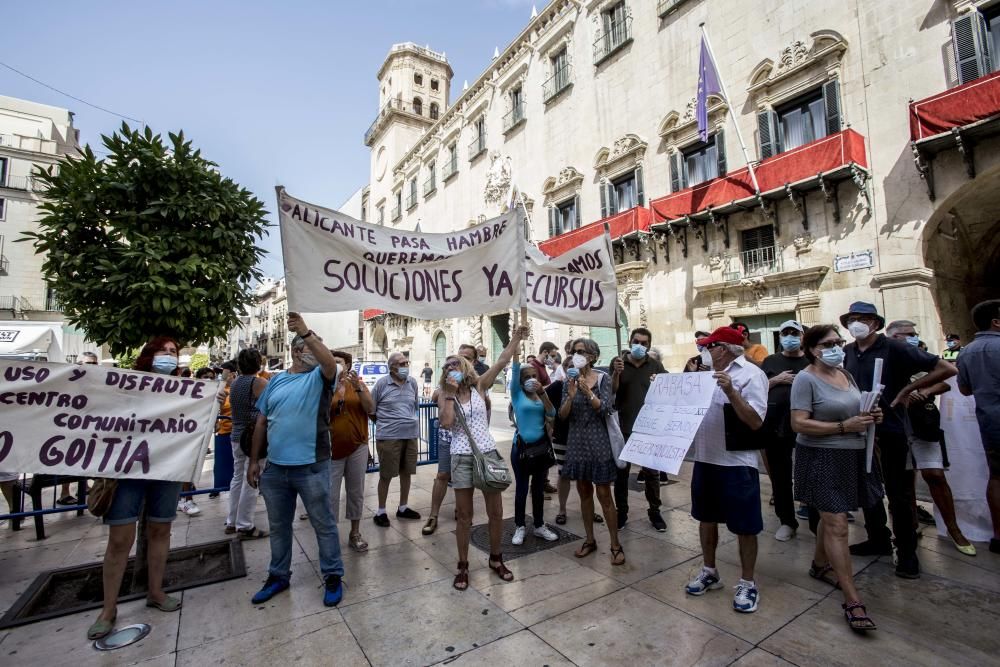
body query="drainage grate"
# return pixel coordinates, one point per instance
(480, 538)
(635, 485)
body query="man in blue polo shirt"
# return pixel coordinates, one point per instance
(294, 427)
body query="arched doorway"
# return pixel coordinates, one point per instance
(379, 348)
(440, 353)
(607, 340)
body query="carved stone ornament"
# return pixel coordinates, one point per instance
(561, 187)
(755, 285)
(625, 152)
(690, 109)
(792, 55)
(498, 181)
(803, 243)
(823, 54)
(716, 261)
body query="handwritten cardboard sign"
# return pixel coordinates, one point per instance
(92, 421)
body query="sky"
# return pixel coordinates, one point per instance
(274, 92)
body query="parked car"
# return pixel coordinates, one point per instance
(371, 371)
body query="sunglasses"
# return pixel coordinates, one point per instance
(579, 352)
(714, 345)
(830, 344)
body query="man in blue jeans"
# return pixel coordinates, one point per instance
(295, 416)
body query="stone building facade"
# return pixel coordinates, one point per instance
(870, 125)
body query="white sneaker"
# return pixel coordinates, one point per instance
(546, 533)
(518, 538)
(784, 533)
(189, 507)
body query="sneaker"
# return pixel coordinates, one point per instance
(334, 591)
(705, 581)
(784, 533)
(869, 548)
(803, 512)
(214, 495)
(641, 475)
(664, 478)
(518, 538)
(656, 519)
(622, 519)
(272, 587)
(189, 507)
(746, 598)
(381, 520)
(408, 513)
(546, 533)
(908, 567)
(995, 545)
(923, 516)
(549, 488)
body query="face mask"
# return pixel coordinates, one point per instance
(706, 358)
(531, 385)
(573, 373)
(457, 376)
(952, 344)
(482, 360)
(701, 348)
(915, 340)
(579, 361)
(166, 364)
(790, 343)
(308, 359)
(403, 372)
(638, 351)
(833, 356)
(859, 329)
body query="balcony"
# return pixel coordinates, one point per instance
(450, 168)
(819, 165)
(4, 265)
(25, 183)
(513, 118)
(664, 7)
(625, 224)
(753, 264)
(15, 304)
(477, 147)
(397, 213)
(561, 80)
(954, 119)
(411, 200)
(430, 185)
(618, 34)
(391, 107)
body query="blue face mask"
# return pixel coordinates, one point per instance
(638, 351)
(913, 340)
(457, 376)
(952, 344)
(403, 372)
(833, 356)
(166, 364)
(573, 373)
(790, 343)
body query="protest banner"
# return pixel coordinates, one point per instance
(334, 262)
(576, 287)
(92, 421)
(673, 411)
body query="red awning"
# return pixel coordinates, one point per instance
(806, 161)
(966, 104)
(371, 313)
(622, 224)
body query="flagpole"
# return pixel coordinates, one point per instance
(736, 125)
(611, 260)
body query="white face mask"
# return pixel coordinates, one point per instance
(706, 358)
(859, 329)
(579, 361)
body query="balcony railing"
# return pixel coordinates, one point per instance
(397, 213)
(754, 263)
(14, 303)
(513, 118)
(4, 265)
(618, 34)
(450, 168)
(411, 200)
(477, 147)
(51, 302)
(430, 185)
(390, 107)
(664, 7)
(26, 183)
(558, 82)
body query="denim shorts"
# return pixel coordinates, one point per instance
(444, 456)
(461, 468)
(161, 501)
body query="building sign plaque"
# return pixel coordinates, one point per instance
(856, 260)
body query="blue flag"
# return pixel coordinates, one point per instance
(708, 84)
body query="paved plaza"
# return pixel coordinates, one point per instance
(399, 606)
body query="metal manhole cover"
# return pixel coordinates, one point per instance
(122, 637)
(635, 485)
(480, 538)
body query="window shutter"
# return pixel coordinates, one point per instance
(720, 151)
(831, 102)
(604, 200)
(968, 34)
(766, 129)
(640, 195)
(553, 224)
(576, 209)
(675, 172)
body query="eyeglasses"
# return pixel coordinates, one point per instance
(402, 363)
(830, 344)
(453, 364)
(714, 345)
(579, 352)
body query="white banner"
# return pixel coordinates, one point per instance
(663, 432)
(577, 287)
(334, 262)
(92, 421)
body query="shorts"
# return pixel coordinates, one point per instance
(396, 457)
(461, 468)
(925, 455)
(729, 495)
(993, 461)
(161, 501)
(444, 456)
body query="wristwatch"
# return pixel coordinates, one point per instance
(306, 334)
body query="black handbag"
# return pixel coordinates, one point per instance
(925, 421)
(538, 453)
(739, 436)
(246, 437)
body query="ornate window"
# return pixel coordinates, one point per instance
(691, 160)
(418, 106)
(620, 171)
(561, 194)
(434, 111)
(418, 79)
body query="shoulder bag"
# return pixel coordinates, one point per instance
(739, 436)
(246, 437)
(101, 495)
(487, 474)
(532, 454)
(614, 427)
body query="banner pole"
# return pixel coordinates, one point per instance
(611, 260)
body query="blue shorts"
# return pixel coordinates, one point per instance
(161, 501)
(729, 495)
(444, 456)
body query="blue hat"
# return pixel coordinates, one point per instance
(863, 308)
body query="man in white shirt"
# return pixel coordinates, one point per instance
(725, 487)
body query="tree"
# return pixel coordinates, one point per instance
(198, 361)
(151, 240)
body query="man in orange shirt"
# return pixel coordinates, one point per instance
(755, 352)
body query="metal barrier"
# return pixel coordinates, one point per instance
(427, 442)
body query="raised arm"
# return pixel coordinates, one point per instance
(487, 379)
(326, 360)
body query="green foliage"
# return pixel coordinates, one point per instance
(151, 240)
(198, 360)
(127, 358)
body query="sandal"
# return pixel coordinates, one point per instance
(67, 500)
(462, 578)
(101, 628)
(500, 568)
(250, 533)
(615, 553)
(858, 623)
(561, 519)
(357, 542)
(169, 604)
(824, 573)
(229, 530)
(430, 526)
(586, 549)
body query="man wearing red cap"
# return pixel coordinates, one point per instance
(725, 486)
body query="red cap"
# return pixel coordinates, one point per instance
(723, 335)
